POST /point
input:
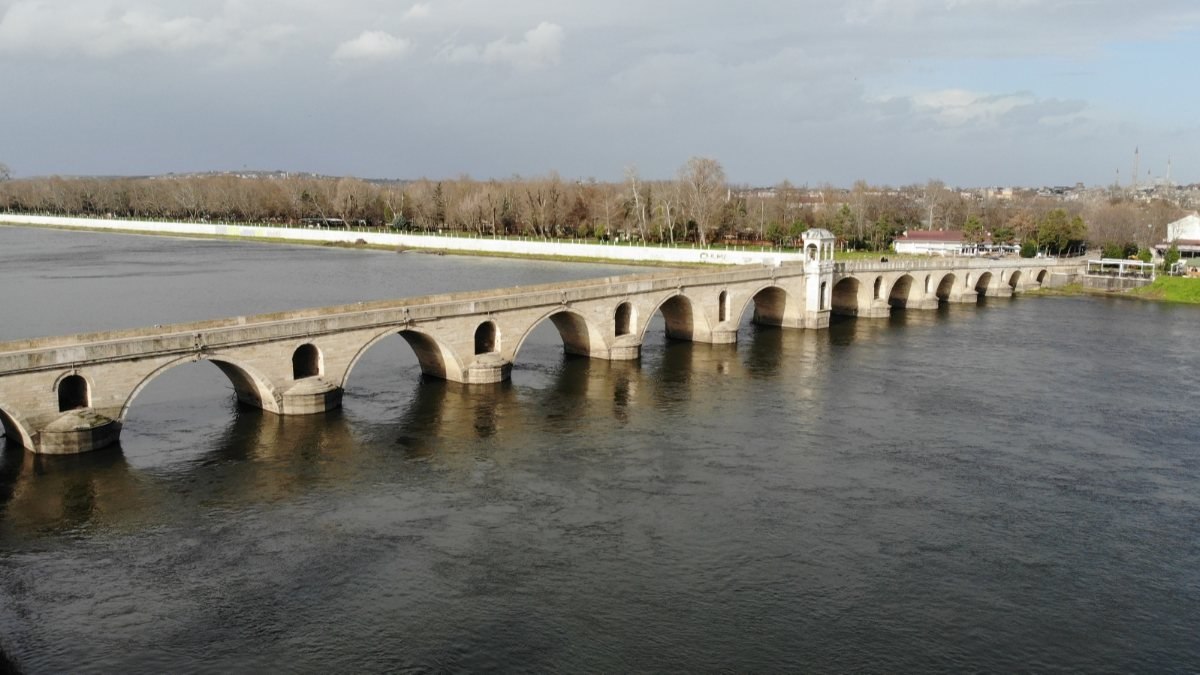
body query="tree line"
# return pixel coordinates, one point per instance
(699, 206)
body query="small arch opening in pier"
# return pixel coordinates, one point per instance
(487, 338)
(73, 393)
(945, 287)
(306, 362)
(1041, 277)
(928, 278)
(624, 319)
(723, 306)
(845, 296)
(878, 295)
(898, 298)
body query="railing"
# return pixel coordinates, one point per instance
(850, 267)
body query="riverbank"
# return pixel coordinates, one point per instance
(470, 245)
(1183, 290)
(1180, 290)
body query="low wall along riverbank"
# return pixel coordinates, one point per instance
(485, 245)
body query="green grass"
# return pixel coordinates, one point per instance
(1171, 289)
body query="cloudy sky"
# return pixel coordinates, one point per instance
(974, 92)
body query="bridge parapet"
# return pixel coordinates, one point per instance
(951, 263)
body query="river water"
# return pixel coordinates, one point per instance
(1008, 486)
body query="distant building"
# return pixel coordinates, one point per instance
(1185, 234)
(931, 242)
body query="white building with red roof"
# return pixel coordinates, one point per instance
(932, 242)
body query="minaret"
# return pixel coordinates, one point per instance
(1135, 168)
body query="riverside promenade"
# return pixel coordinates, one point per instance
(616, 252)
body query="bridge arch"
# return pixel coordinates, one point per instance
(845, 296)
(15, 427)
(250, 386)
(307, 361)
(1041, 277)
(985, 280)
(578, 334)
(901, 292)
(771, 305)
(74, 392)
(679, 315)
(945, 287)
(436, 359)
(1014, 279)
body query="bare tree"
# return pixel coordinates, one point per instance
(5, 173)
(639, 207)
(703, 188)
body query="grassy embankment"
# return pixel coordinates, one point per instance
(1164, 289)
(1170, 289)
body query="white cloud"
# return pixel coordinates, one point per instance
(108, 29)
(541, 46)
(96, 30)
(418, 11)
(373, 45)
(961, 108)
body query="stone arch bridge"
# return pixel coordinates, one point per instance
(71, 394)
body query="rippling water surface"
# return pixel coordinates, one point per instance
(1014, 485)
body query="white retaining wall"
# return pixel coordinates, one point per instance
(418, 241)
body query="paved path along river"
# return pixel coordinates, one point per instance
(1013, 485)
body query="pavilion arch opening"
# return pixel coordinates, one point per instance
(73, 393)
(624, 319)
(306, 362)
(1014, 279)
(945, 288)
(899, 296)
(487, 338)
(845, 296)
